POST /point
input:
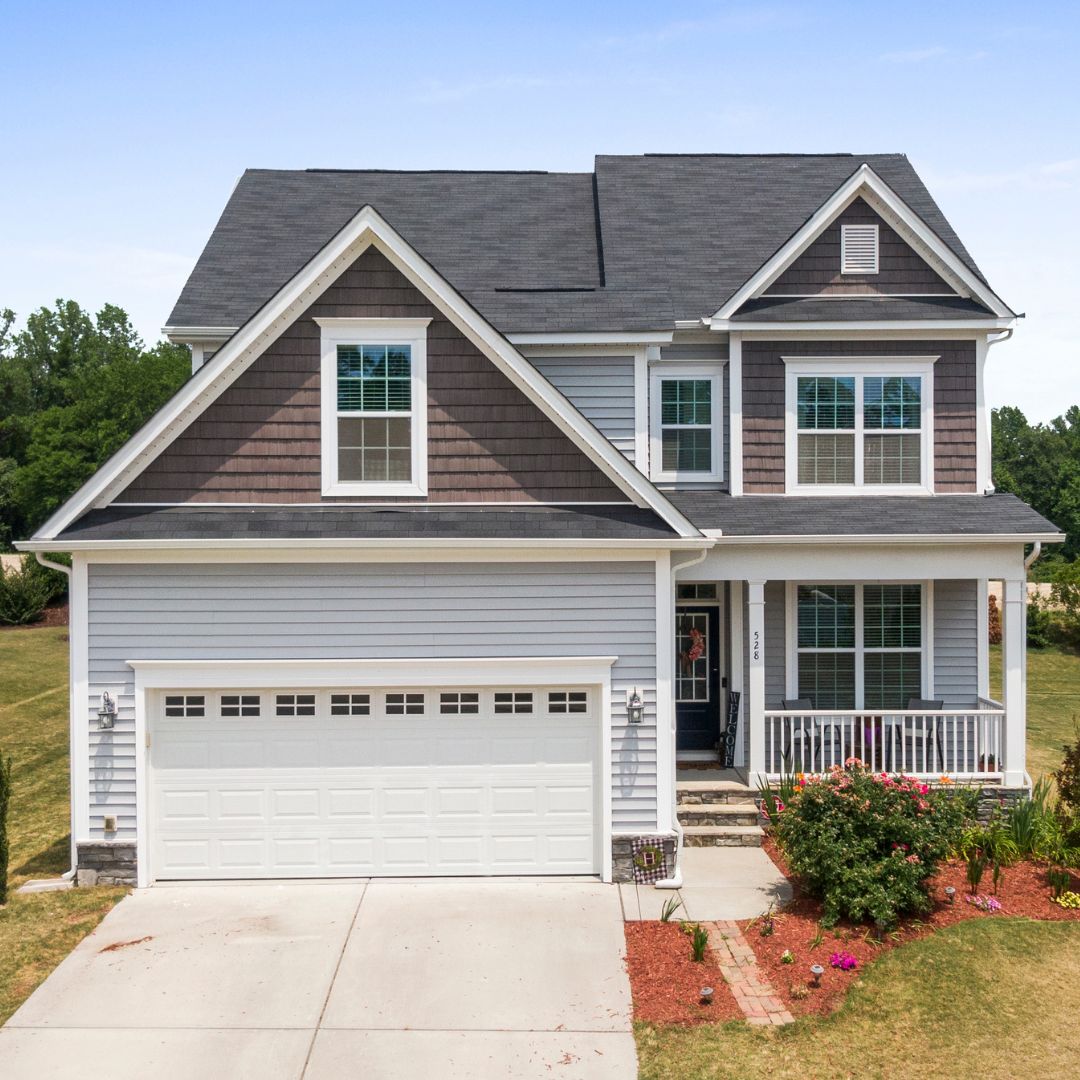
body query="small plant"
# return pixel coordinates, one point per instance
(843, 960)
(699, 942)
(1059, 880)
(1028, 820)
(975, 866)
(1067, 777)
(671, 905)
(768, 924)
(771, 804)
(818, 938)
(798, 992)
(997, 873)
(787, 957)
(1068, 900)
(989, 904)
(5, 799)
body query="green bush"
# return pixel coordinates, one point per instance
(5, 799)
(867, 843)
(54, 581)
(1067, 777)
(24, 595)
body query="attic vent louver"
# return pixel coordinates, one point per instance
(858, 249)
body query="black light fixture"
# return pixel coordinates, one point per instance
(106, 716)
(635, 707)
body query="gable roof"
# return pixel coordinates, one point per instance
(366, 228)
(640, 243)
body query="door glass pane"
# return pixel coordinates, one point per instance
(692, 656)
(827, 459)
(828, 679)
(826, 616)
(891, 679)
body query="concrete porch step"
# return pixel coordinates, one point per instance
(722, 836)
(744, 813)
(701, 792)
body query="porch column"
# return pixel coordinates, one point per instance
(755, 630)
(1014, 697)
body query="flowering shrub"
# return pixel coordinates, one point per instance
(866, 842)
(844, 961)
(1067, 900)
(985, 903)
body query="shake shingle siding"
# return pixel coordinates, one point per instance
(259, 441)
(954, 406)
(901, 270)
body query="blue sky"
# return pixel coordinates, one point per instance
(126, 126)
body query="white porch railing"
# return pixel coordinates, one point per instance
(960, 743)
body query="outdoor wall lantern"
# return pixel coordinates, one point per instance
(106, 716)
(635, 707)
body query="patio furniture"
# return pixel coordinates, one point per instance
(918, 731)
(817, 728)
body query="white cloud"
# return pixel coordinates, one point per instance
(914, 56)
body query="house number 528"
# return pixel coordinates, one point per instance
(756, 650)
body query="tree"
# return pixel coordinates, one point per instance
(74, 389)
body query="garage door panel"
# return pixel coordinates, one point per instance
(360, 795)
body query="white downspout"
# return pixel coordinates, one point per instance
(676, 880)
(66, 570)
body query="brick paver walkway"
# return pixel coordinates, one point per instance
(752, 990)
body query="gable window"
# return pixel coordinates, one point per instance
(851, 426)
(858, 646)
(858, 249)
(374, 406)
(686, 403)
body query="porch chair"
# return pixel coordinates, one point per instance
(818, 728)
(917, 731)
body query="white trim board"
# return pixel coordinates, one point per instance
(366, 229)
(867, 184)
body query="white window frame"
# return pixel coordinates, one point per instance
(411, 332)
(858, 270)
(678, 372)
(791, 652)
(859, 367)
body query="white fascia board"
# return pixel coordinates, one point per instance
(367, 228)
(659, 337)
(886, 539)
(411, 671)
(863, 180)
(786, 330)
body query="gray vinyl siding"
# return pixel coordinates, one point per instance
(601, 388)
(956, 642)
(309, 611)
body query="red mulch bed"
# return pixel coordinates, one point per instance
(1023, 891)
(57, 615)
(666, 983)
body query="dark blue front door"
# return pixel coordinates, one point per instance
(697, 677)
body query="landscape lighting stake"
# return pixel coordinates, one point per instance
(950, 894)
(817, 971)
(706, 995)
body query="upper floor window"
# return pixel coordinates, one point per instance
(374, 406)
(686, 404)
(859, 424)
(858, 249)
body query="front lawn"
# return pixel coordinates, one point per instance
(1053, 703)
(995, 998)
(38, 931)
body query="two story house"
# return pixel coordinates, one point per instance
(496, 499)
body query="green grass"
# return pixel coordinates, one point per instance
(1053, 703)
(39, 930)
(993, 998)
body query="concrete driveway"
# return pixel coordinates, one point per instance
(332, 980)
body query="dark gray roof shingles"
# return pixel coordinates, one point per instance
(881, 515)
(202, 522)
(640, 243)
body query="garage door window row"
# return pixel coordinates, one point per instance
(290, 704)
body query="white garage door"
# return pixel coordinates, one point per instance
(340, 783)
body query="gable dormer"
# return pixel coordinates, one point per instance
(860, 254)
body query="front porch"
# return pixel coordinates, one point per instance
(892, 671)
